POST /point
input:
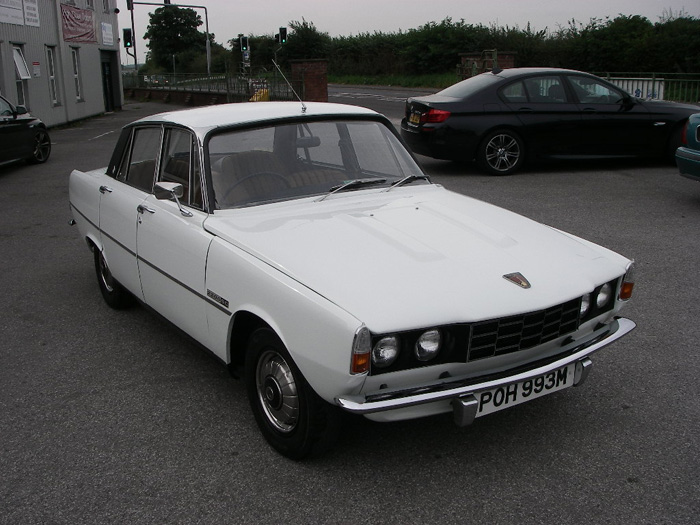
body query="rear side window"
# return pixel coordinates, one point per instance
(546, 89)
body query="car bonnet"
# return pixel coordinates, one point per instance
(418, 256)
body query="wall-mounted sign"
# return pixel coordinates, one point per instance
(78, 24)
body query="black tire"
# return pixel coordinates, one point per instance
(42, 147)
(114, 294)
(502, 152)
(675, 141)
(294, 420)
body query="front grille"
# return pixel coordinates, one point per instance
(520, 332)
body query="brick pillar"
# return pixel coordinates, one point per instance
(310, 79)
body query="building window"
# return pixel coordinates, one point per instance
(21, 74)
(105, 5)
(90, 4)
(51, 71)
(76, 73)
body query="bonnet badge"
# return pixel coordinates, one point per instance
(517, 278)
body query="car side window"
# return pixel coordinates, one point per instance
(515, 92)
(144, 155)
(181, 165)
(590, 91)
(545, 89)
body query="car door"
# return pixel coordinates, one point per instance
(11, 133)
(612, 123)
(172, 245)
(550, 119)
(120, 204)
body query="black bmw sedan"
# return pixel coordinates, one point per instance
(505, 117)
(21, 135)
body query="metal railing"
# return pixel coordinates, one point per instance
(678, 87)
(233, 87)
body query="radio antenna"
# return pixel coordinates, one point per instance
(303, 106)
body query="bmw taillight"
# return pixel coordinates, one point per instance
(434, 116)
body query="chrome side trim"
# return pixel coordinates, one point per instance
(384, 400)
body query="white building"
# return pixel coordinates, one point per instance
(60, 58)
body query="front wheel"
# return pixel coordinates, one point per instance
(114, 294)
(293, 418)
(42, 147)
(501, 153)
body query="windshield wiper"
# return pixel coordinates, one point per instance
(351, 184)
(408, 180)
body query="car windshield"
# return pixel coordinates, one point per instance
(289, 161)
(471, 85)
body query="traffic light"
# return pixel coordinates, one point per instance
(283, 35)
(166, 2)
(130, 5)
(244, 43)
(128, 37)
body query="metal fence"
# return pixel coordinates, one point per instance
(677, 87)
(235, 88)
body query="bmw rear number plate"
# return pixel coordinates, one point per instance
(510, 395)
(414, 118)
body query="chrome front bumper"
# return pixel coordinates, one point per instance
(463, 393)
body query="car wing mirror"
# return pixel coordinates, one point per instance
(171, 191)
(20, 110)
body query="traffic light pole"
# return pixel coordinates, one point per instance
(206, 26)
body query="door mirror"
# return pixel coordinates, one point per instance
(20, 110)
(171, 191)
(168, 190)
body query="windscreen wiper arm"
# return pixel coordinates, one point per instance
(408, 180)
(351, 184)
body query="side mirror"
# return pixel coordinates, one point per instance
(171, 191)
(20, 110)
(168, 191)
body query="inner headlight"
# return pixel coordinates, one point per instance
(385, 351)
(585, 304)
(604, 295)
(428, 345)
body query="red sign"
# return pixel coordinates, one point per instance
(78, 24)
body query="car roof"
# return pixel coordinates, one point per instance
(520, 71)
(204, 119)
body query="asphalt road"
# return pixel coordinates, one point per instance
(116, 417)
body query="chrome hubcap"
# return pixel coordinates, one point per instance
(106, 275)
(277, 391)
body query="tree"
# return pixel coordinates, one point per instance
(173, 31)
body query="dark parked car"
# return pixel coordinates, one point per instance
(505, 117)
(21, 135)
(688, 155)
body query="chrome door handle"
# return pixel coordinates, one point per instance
(141, 208)
(105, 189)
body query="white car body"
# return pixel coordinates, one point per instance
(319, 270)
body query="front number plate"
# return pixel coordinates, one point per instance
(507, 396)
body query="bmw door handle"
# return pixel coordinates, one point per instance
(105, 189)
(141, 208)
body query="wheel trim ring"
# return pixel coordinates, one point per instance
(106, 275)
(502, 150)
(277, 392)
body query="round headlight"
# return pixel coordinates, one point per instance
(585, 304)
(428, 345)
(604, 295)
(385, 351)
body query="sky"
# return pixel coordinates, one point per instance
(228, 18)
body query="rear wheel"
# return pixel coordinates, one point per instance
(114, 294)
(501, 153)
(293, 418)
(42, 147)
